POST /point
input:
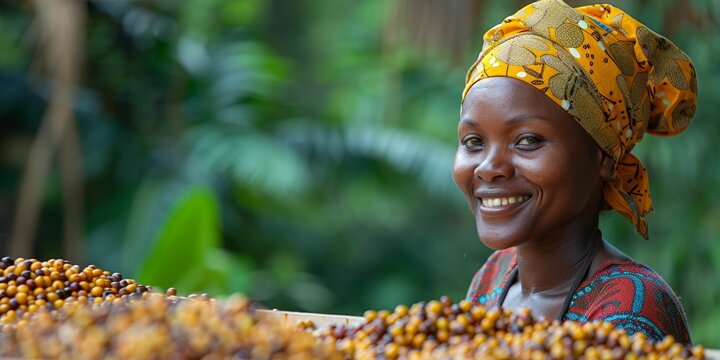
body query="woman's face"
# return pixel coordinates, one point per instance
(526, 167)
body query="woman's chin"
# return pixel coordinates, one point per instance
(503, 232)
(498, 243)
(499, 238)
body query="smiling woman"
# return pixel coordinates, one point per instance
(529, 150)
(551, 109)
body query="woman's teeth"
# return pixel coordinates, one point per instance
(503, 201)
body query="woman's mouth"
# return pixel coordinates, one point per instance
(494, 206)
(499, 202)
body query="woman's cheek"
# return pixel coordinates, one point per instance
(463, 173)
(463, 169)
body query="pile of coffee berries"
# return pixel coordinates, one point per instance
(446, 330)
(54, 309)
(156, 326)
(28, 285)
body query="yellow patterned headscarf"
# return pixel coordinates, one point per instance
(616, 77)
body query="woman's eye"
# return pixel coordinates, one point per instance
(473, 143)
(529, 141)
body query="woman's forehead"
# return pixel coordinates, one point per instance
(507, 95)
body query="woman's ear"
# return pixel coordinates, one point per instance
(606, 165)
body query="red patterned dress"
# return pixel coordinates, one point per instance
(627, 294)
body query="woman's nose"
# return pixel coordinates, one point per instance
(495, 163)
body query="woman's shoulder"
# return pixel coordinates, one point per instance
(633, 297)
(488, 282)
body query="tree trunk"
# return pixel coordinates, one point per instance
(61, 25)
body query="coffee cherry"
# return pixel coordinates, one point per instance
(155, 326)
(442, 329)
(97, 314)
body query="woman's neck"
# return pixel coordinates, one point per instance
(552, 263)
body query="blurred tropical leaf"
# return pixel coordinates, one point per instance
(181, 232)
(218, 272)
(251, 159)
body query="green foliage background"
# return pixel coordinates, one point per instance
(300, 151)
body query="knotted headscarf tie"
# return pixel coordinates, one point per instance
(616, 77)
